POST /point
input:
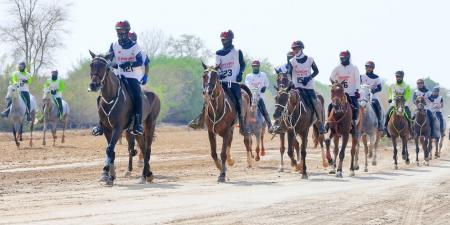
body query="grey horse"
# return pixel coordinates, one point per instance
(368, 128)
(256, 125)
(51, 116)
(18, 111)
(438, 138)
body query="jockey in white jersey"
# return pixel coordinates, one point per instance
(232, 65)
(302, 70)
(258, 79)
(422, 91)
(348, 73)
(127, 57)
(374, 81)
(145, 59)
(437, 103)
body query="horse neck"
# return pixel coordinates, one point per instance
(51, 107)
(110, 86)
(218, 103)
(421, 116)
(17, 102)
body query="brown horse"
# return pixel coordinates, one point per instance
(220, 117)
(398, 128)
(339, 122)
(115, 112)
(422, 130)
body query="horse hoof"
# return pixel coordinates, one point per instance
(396, 167)
(374, 163)
(407, 162)
(221, 179)
(218, 165)
(263, 152)
(352, 173)
(127, 174)
(366, 170)
(141, 180)
(280, 169)
(140, 163)
(297, 168)
(109, 182)
(304, 176)
(43, 143)
(150, 178)
(104, 177)
(417, 163)
(339, 174)
(332, 171)
(325, 164)
(357, 167)
(230, 162)
(257, 158)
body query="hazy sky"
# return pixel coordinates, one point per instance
(397, 35)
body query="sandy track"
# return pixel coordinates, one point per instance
(58, 185)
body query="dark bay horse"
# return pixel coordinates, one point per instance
(422, 130)
(339, 122)
(292, 112)
(221, 117)
(398, 128)
(115, 112)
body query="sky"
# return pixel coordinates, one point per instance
(411, 35)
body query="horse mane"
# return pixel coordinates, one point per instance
(246, 89)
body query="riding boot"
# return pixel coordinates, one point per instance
(8, 108)
(388, 116)
(377, 108)
(26, 96)
(60, 108)
(263, 109)
(199, 121)
(431, 119)
(319, 115)
(242, 123)
(408, 115)
(138, 129)
(327, 125)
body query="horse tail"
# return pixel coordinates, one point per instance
(247, 90)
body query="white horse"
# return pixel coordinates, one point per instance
(256, 125)
(17, 113)
(51, 117)
(368, 127)
(438, 138)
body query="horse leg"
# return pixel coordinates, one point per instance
(248, 147)
(291, 139)
(353, 155)
(375, 147)
(230, 160)
(263, 150)
(356, 162)
(416, 142)
(223, 156)
(213, 143)
(394, 143)
(303, 153)
(15, 136)
(146, 146)
(111, 155)
(366, 151)
(345, 138)
(131, 152)
(54, 133)
(44, 131)
(335, 152)
(31, 129)
(64, 129)
(104, 177)
(405, 149)
(425, 151)
(257, 138)
(322, 149)
(282, 149)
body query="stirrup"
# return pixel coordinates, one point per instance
(97, 131)
(137, 130)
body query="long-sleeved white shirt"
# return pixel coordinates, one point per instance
(349, 74)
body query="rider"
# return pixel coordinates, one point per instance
(285, 67)
(56, 87)
(145, 59)
(302, 78)
(374, 82)
(127, 57)
(437, 103)
(423, 91)
(258, 79)
(348, 74)
(400, 87)
(24, 79)
(232, 65)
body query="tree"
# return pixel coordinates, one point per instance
(153, 42)
(188, 45)
(34, 30)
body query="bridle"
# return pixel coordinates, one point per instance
(287, 117)
(211, 98)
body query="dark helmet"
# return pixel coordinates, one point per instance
(22, 64)
(436, 89)
(400, 73)
(297, 44)
(370, 64)
(256, 63)
(123, 25)
(132, 36)
(229, 35)
(54, 72)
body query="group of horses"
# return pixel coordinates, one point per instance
(18, 110)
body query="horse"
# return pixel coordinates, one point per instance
(221, 118)
(438, 138)
(256, 125)
(115, 112)
(339, 122)
(293, 113)
(398, 128)
(51, 117)
(368, 128)
(18, 111)
(422, 130)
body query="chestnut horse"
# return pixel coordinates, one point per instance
(339, 122)
(221, 117)
(422, 130)
(398, 128)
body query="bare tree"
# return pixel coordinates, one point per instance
(153, 42)
(34, 30)
(188, 45)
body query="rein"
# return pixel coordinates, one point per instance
(286, 117)
(423, 124)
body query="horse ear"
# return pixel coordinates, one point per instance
(92, 54)
(217, 67)
(276, 88)
(108, 56)
(204, 65)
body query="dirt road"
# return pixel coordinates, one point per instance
(58, 185)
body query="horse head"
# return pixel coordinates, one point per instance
(13, 91)
(420, 103)
(365, 93)
(399, 104)
(282, 101)
(99, 69)
(211, 81)
(338, 97)
(283, 80)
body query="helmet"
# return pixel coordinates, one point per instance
(54, 72)
(400, 73)
(420, 80)
(436, 89)
(256, 63)
(370, 64)
(227, 35)
(290, 54)
(297, 44)
(344, 54)
(132, 36)
(22, 64)
(123, 25)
